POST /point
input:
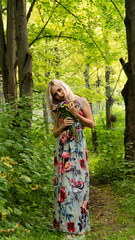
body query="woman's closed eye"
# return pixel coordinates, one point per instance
(59, 89)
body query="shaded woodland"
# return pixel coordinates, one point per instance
(90, 46)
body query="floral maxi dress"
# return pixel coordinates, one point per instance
(71, 181)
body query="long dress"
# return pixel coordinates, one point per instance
(71, 181)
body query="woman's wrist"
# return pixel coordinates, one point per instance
(76, 116)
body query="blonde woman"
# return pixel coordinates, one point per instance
(71, 179)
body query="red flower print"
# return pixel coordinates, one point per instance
(55, 223)
(61, 167)
(63, 137)
(62, 195)
(71, 227)
(79, 184)
(67, 167)
(81, 113)
(82, 163)
(84, 207)
(86, 154)
(55, 161)
(65, 155)
(70, 136)
(55, 181)
(73, 181)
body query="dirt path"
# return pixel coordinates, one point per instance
(104, 208)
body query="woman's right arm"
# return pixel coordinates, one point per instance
(58, 129)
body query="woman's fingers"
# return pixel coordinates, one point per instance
(69, 118)
(70, 105)
(68, 121)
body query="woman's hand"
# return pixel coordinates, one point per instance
(73, 110)
(58, 129)
(67, 122)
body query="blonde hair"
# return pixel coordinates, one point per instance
(51, 101)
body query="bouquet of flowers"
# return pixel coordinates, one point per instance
(63, 113)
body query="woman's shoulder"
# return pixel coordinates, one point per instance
(81, 100)
(76, 97)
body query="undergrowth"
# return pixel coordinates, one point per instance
(26, 174)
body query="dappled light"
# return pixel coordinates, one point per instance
(89, 45)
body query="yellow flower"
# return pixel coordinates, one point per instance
(35, 187)
(18, 225)
(3, 215)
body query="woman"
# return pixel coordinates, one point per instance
(71, 180)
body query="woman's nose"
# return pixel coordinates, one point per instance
(59, 94)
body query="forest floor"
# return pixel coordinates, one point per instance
(108, 219)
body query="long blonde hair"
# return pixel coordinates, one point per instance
(51, 101)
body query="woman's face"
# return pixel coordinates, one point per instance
(58, 93)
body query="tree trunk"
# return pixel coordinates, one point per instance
(108, 105)
(94, 132)
(128, 91)
(56, 62)
(8, 55)
(45, 114)
(23, 54)
(1, 93)
(98, 83)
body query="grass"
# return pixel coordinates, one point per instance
(112, 217)
(112, 212)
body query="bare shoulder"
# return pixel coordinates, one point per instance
(86, 108)
(85, 100)
(76, 96)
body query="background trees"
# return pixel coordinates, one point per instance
(128, 91)
(10, 57)
(81, 43)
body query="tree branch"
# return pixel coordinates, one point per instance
(126, 67)
(5, 9)
(73, 74)
(117, 82)
(61, 36)
(40, 15)
(30, 10)
(43, 26)
(57, 36)
(76, 64)
(84, 27)
(117, 9)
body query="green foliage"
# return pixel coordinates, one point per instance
(26, 173)
(108, 163)
(126, 190)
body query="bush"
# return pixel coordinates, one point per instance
(26, 171)
(108, 163)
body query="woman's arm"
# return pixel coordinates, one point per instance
(58, 129)
(87, 119)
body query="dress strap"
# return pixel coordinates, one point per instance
(80, 99)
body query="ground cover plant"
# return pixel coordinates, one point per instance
(26, 182)
(81, 43)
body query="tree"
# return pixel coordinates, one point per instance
(15, 35)
(94, 132)
(128, 91)
(108, 106)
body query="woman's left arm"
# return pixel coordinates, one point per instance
(87, 119)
